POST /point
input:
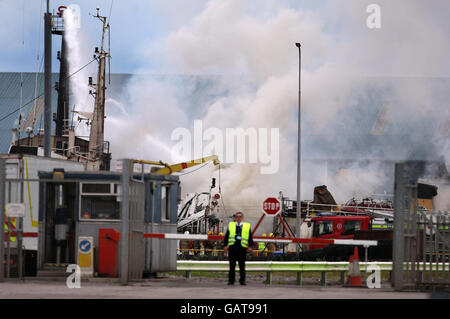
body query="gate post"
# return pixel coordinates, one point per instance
(2, 217)
(124, 240)
(398, 238)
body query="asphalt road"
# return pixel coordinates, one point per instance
(197, 287)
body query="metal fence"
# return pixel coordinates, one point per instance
(136, 224)
(11, 219)
(433, 235)
(132, 238)
(421, 247)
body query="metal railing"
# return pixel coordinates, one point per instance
(270, 267)
(347, 208)
(299, 267)
(57, 23)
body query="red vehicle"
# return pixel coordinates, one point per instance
(337, 227)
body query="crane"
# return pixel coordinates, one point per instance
(174, 168)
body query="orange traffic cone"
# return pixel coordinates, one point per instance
(354, 273)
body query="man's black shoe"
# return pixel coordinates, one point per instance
(243, 284)
(230, 283)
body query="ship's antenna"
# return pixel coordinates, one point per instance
(21, 75)
(110, 10)
(37, 62)
(109, 43)
(109, 54)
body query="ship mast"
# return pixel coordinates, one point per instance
(96, 137)
(47, 82)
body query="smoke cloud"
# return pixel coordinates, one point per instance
(243, 64)
(78, 56)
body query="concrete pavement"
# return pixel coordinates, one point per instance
(183, 288)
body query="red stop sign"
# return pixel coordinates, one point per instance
(271, 206)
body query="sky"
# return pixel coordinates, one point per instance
(134, 24)
(139, 30)
(250, 47)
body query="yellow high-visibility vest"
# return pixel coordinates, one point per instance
(245, 234)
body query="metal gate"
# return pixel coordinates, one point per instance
(421, 247)
(11, 219)
(132, 241)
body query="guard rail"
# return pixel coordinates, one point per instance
(270, 267)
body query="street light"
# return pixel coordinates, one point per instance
(298, 212)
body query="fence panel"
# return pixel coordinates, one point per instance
(12, 225)
(132, 230)
(421, 248)
(136, 230)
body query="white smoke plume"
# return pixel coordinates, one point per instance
(252, 50)
(78, 56)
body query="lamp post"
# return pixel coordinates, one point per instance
(298, 212)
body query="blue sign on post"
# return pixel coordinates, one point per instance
(85, 246)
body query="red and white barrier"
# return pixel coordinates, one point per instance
(365, 243)
(285, 240)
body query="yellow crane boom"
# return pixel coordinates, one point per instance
(169, 169)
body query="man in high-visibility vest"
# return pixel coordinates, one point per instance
(262, 245)
(238, 240)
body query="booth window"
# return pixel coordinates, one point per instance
(165, 207)
(99, 201)
(96, 188)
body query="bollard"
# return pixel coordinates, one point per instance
(323, 278)
(269, 278)
(299, 278)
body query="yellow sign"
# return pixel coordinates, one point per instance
(86, 256)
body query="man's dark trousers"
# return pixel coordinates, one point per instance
(237, 253)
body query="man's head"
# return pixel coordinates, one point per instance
(239, 216)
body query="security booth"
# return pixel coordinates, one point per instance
(80, 221)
